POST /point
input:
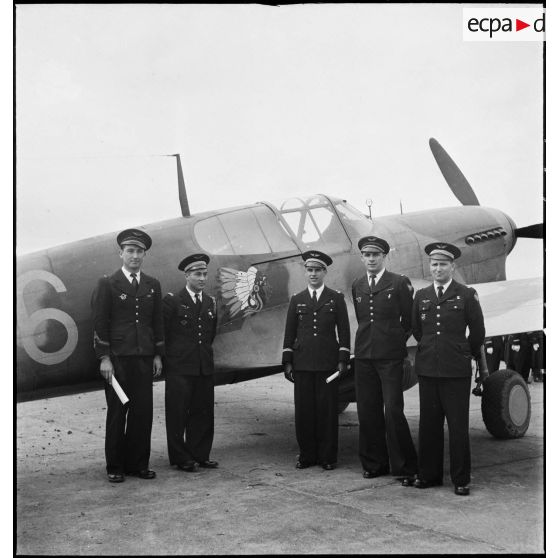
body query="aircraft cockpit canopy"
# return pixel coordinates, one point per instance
(281, 228)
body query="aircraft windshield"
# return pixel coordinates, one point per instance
(355, 222)
(314, 222)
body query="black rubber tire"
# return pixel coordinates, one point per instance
(506, 404)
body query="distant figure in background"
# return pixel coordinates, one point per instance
(538, 355)
(494, 350)
(129, 341)
(518, 356)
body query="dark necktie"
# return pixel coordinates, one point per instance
(440, 291)
(135, 283)
(198, 301)
(314, 298)
(372, 281)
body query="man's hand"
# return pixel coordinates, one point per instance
(515, 348)
(342, 367)
(107, 369)
(489, 350)
(157, 366)
(289, 372)
(536, 346)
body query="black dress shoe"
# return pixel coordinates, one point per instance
(419, 483)
(188, 466)
(408, 481)
(304, 464)
(462, 490)
(208, 464)
(115, 477)
(143, 474)
(147, 474)
(373, 474)
(329, 466)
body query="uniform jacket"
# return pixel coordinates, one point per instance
(310, 341)
(384, 316)
(439, 326)
(189, 335)
(128, 323)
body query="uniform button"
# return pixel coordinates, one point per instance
(199, 342)
(315, 334)
(315, 320)
(437, 308)
(199, 319)
(437, 315)
(137, 299)
(437, 323)
(315, 313)
(371, 320)
(137, 321)
(200, 325)
(437, 333)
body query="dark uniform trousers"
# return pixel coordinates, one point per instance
(189, 383)
(316, 418)
(496, 344)
(443, 365)
(384, 323)
(189, 402)
(444, 398)
(128, 329)
(385, 439)
(520, 360)
(127, 449)
(313, 347)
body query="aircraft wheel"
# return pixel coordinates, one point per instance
(342, 406)
(506, 404)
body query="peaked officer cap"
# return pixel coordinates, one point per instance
(375, 242)
(449, 251)
(193, 262)
(134, 237)
(315, 257)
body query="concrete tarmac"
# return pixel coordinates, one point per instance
(256, 502)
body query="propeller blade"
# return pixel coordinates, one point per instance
(532, 231)
(454, 177)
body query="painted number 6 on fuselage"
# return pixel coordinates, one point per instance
(29, 323)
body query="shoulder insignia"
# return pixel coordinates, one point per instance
(476, 296)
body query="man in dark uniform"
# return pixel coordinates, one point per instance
(129, 341)
(383, 303)
(442, 313)
(311, 353)
(519, 354)
(494, 352)
(190, 318)
(536, 339)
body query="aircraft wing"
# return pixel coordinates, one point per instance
(512, 306)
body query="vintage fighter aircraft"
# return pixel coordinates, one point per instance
(255, 268)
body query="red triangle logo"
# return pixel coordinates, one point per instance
(519, 25)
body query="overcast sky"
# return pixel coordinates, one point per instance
(265, 103)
